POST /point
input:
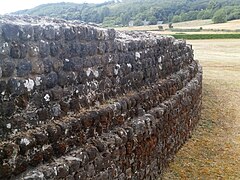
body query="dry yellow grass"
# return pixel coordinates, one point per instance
(213, 152)
(196, 24)
(231, 25)
(185, 25)
(208, 24)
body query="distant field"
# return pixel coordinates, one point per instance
(207, 25)
(213, 152)
(188, 24)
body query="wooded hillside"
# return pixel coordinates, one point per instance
(116, 13)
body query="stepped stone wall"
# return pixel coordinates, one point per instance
(81, 102)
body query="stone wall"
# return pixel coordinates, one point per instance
(81, 102)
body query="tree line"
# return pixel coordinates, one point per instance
(120, 13)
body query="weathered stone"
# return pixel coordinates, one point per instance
(65, 107)
(103, 175)
(26, 33)
(10, 32)
(7, 68)
(43, 114)
(75, 105)
(54, 133)
(0, 72)
(90, 169)
(59, 148)
(48, 65)
(37, 66)
(52, 80)
(62, 171)
(54, 49)
(34, 175)
(92, 152)
(99, 144)
(44, 48)
(82, 174)
(57, 93)
(18, 50)
(35, 157)
(22, 101)
(25, 143)
(37, 32)
(24, 68)
(48, 153)
(68, 65)
(5, 170)
(9, 150)
(41, 138)
(69, 33)
(84, 159)
(49, 32)
(16, 87)
(70, 177)
(21, 165)
(63, 80)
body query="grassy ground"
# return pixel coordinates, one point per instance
(213, 152)
(188, 24)
(207, 25)
(206, 36)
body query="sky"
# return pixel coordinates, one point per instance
(8, 6)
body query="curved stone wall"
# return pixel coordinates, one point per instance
(81, 102)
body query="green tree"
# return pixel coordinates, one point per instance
(152, 20)
(108, 22)
(183, 17)
(192, 15)
(213, 4)
(207, 14)
(125, 18)
(104, 13)
(138, 22)
(220, 16)
(200, 14)
(233, 16)
(176, 19)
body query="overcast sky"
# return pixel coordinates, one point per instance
(8, 6)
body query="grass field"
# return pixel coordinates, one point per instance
(207, 36)
(188, 24)
(213, 152)
(207, 25)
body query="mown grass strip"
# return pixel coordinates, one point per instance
(206, 36)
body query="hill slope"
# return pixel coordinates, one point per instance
(121, 13)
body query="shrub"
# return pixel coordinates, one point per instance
(160, 27)
(170, 26)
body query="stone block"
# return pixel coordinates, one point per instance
(7, 68)
(24, 68)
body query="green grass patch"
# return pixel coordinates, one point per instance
(206, 36)
(185, 30)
